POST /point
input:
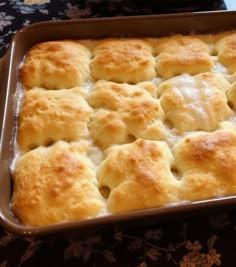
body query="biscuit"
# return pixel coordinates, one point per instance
(180, 54)
(50, 115)
(225, 49)
(138, 176)
(124, 112)
(195, 102)
(56, 65)
(56, 184)
(206, 162)
(123, 61)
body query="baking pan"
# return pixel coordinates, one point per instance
(154, 25)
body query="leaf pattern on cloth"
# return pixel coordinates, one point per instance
(15, 14)
(5, 20)
(143, 249)
(195, 257)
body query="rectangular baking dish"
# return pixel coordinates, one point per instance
(154, 25)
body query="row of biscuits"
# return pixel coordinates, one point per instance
(100, 145)
(71, 63)
(112, 113)
(62, 182)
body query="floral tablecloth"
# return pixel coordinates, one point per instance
(16, 14)
(199, 241)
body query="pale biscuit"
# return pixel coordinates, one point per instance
(195, 102)
(138, 176)
(180, 54)
(56, 65)
(50, 115)
(225, 49)
(123, 60)
(56, 184)
(124, 113)
(206, 162)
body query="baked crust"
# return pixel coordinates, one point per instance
(123, 60)
(124, 113)
(225, 48)
(56, 65)
(206, 162)
(56, 184)
(47, 116)
(141, 179)
(180, 54)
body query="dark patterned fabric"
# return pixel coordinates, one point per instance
(198, 241)
(14, 14)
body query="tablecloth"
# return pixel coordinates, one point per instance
(197, 241)
(16, 14)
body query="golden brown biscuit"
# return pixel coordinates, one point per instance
(225, 48)
(110, 95)
(195, 102)
(126, 112)
(107, 127)
(56, 65)
(182, 54)
(144, 118)
(50, 115)
(56, 184)
(206, 162)
(123, 60)
(150, 87)
(138, 176)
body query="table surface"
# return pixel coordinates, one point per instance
(198, 241)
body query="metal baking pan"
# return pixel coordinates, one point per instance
(153, 25)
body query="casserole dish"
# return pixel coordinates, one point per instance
(140, 26)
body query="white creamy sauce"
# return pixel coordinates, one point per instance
(219, 68)
(88, 86)
(17, 101)
(192, 96)
(96, 155)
